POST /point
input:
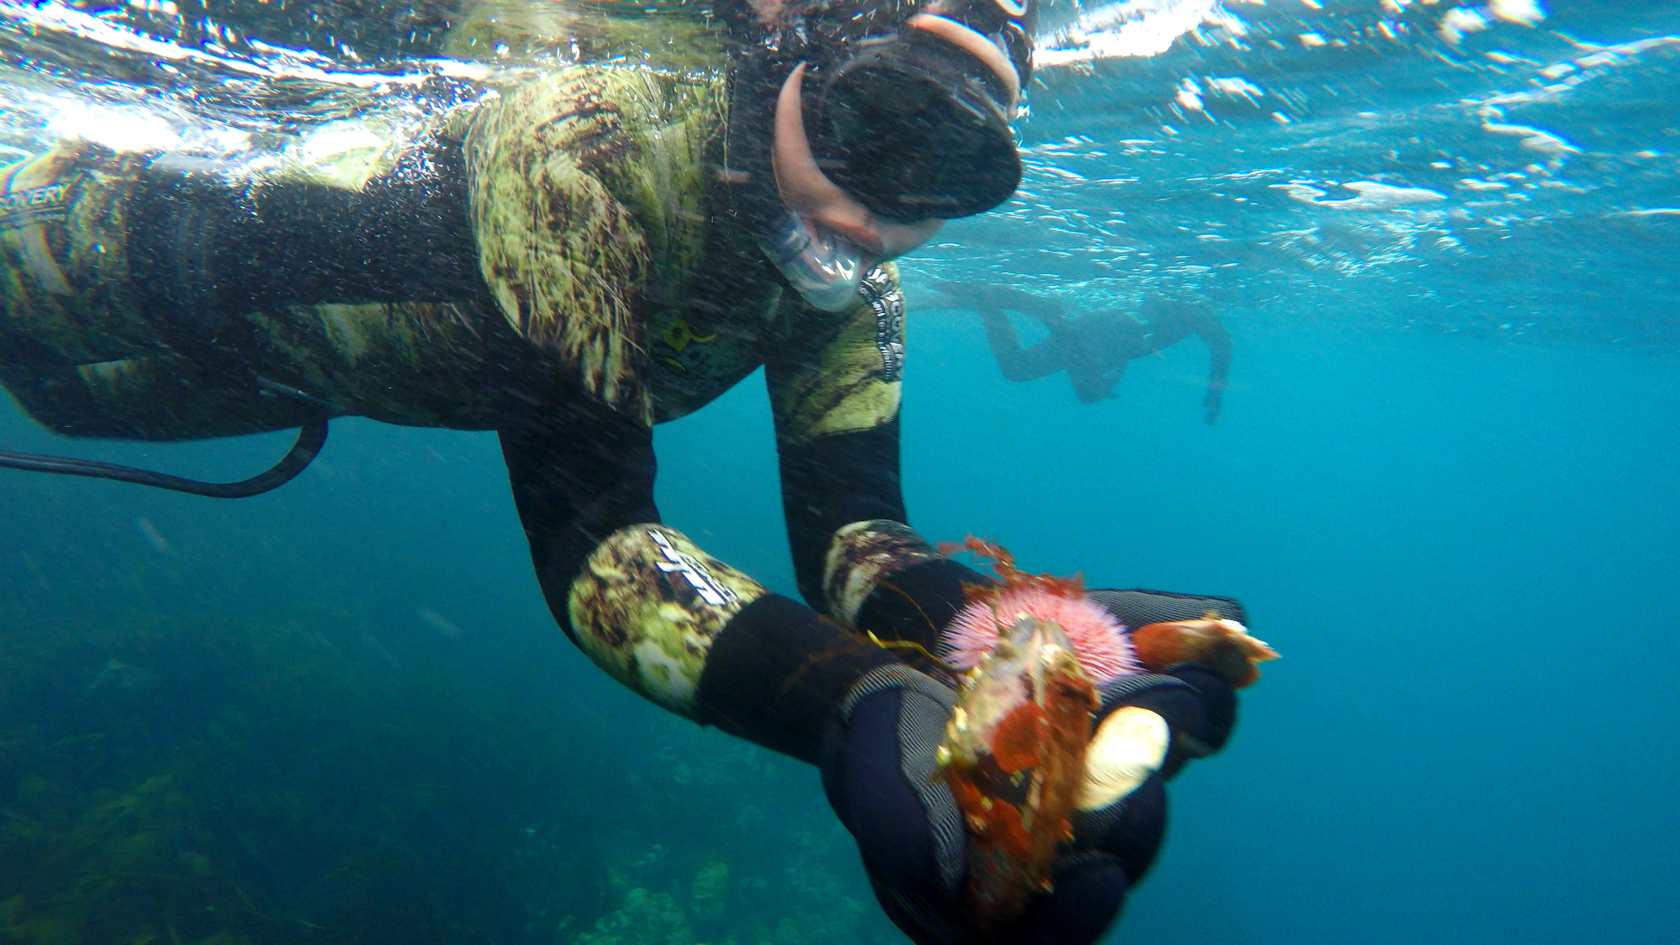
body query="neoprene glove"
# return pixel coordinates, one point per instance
(881, 778)
(879, 773)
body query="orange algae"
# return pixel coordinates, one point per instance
(1014, 751)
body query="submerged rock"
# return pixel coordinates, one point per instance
(646, 918)
(706, 898)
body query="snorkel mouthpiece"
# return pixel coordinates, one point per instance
(823, 267)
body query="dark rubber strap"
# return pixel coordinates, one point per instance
(311, 436)
(778, 672)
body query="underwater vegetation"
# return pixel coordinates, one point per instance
(203, 777)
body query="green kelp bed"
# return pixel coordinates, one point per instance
(199, 777)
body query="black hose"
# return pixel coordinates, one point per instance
(311, 436)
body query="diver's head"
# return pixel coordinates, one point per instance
(907, 105)
(858, 126)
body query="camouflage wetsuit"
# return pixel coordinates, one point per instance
(559, 263)
(564, 263)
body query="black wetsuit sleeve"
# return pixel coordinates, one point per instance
(838, 480)
(581, 474)
(1172, 321)
(1019, 363)
(579, 471)
(831, 481)
(834, 392)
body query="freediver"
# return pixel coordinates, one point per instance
(1094, 348)
(572, 261)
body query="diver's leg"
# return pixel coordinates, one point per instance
(118, 269)
(1016, 362)
(982, 297)
(161, 397)
(85, 347)
(1092, 384)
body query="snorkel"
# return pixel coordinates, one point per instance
(857, 129)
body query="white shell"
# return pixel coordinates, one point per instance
(1129, 746)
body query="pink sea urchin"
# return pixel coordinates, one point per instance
(1100, 642)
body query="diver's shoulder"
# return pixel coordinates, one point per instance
(577, 103)
(622, 84)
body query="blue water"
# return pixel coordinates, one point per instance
(1443, 484)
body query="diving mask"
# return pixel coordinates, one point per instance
(888, 118)
(915, 122)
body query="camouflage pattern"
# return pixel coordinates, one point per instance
(862, 556)
(851, 382)
(415, 363)
(63, 263)
(562, 257)
(65, 287)
(611, 263)
(604, 242)
(345, 153)
(647, 606)
(507, 32)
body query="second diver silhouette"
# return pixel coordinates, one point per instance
(1094, 348)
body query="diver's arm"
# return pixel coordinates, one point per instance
(579, 472)
(1219, 365)
(670, 622)
(836, 407)
(837, 434)
(1171, 321)
(642, 601)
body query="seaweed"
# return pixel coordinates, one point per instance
(311, 775)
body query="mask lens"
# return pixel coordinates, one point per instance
(915, 128)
